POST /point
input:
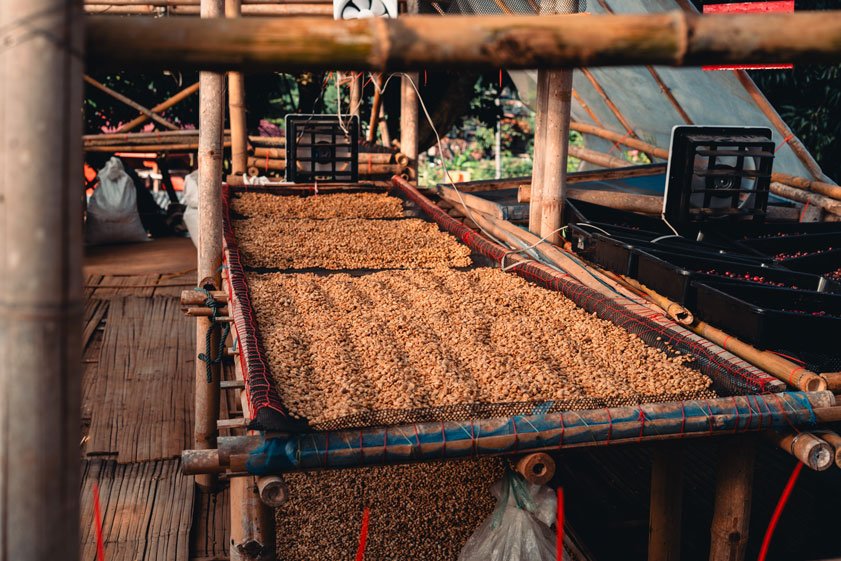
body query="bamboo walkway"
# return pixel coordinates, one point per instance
(137, 409)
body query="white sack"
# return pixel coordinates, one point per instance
(112, 210)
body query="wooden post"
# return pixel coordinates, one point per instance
(535, 203)
(666, 501)
(211, 123)
(41, 93)
(252, 524)
(409, 120)
(236, 105)
(733, 494)
(554, 153)
(355, 92)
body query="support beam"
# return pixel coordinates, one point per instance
(252, 523)
(666, 503)
(41, 93)
(236, 105)
(475, 43)
(733, 495)
(536, 201)
(211, 124)
(355, 92)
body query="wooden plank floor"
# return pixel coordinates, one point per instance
(137, 408)
(146, 510)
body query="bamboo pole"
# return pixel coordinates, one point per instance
(273, 490)
(211, 125)
(775, 365)
(819, 187)
(733, 497)
(476, 43)
(536, 201)
(365, 169)
(666, 503)
(267, 140)
(161, 107)
(829, 205)
(236, 106)
(815, 452)
(598, 158)
(355, 92)
(833, 381)
(41, 93)
(130, 102)
(409, 120)
(537, 468)
(555, 153)
(273, 454)
(376, 106)
(167, 147)
(310, 9)
(252, 527)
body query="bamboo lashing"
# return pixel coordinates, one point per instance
(476, 43)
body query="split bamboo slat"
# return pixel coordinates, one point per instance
(413, 43)
(142, 384)
(146, 509)
(211, 525)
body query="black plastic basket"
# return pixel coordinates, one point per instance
(672, 275)
(771, 317)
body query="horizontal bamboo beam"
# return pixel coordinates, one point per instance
(815, 452)
(165, 147)
(469, 42)
(829, 205)
(272, 454)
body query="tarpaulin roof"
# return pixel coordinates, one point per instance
(646, 102)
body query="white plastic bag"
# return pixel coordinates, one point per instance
(191, 200)
(112, 209)
(520, 528)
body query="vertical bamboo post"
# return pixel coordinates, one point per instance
(252, 523)
(409, 120)
(535, 203)
(41, 256)
(355, 92)
(236, 105)
(559, 86)
(211, 122)
(733, 495)
(666, 502)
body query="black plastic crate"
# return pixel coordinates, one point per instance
(583, 211)
(760, 230)
(771, 318)
(672, 275)
(608, 252)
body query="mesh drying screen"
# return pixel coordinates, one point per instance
(516, 7)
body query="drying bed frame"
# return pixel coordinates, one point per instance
(754, 401)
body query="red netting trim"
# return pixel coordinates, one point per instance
(730, 375)
(259, 386)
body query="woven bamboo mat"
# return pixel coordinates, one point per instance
(140, 394)
(110, 286)
(209, 537)
(146, 510)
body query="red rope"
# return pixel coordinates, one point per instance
(363, 534)
(97, 515)
(778, 511)
(559, 527)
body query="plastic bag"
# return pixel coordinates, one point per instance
(520, 528)
(112, 210)
(191, 201)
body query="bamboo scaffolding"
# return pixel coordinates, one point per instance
(829, 205)
(536, 201)
(376, 106)
(161, 107)
(365, 169)
(555, 151)
(477, 43)
(272, 454)
(41, 95)
(211, 126)
(131, 103)
(141, 148)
